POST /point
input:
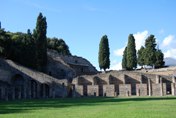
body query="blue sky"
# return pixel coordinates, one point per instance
(82, 23)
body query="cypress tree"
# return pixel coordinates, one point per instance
(41, 42)
(141, 53)
(124, 59)
(103, 55)
(150, 49)
(131, 53)
(159, 59)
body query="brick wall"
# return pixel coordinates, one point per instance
(141, 89)
(109, 90)
(92, 90)
(125, 89)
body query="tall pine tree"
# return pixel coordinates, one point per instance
(150, 49)
(159, 59)
(141, 53)
(124, 59)
(131, 53)
(41, 42)
(103, 55)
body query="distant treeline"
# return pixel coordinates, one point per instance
(148, 55)
(30, 49)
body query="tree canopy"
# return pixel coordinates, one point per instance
(131, 53)
(149, 55)
(59, 45)
(41, 42)
(124, 59)
(29, 49)
(103, 55)
(141, 56)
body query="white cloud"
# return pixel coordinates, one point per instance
(116, 65)
(170, 53)
(140, 38)
(168, 46)
(168, 40)
(119, 52)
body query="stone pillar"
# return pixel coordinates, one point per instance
(33, 90)
(173, 79)
(13, 93)
(173, 88)
(19, 93)
(173, 85)
(44, 91)
(50, 92)
(157, 79)
(124, 81)
(161, 86)
(38, 90)
(53, 93)
(25, 91)
(6, 94)
(141, 79)
(149, 86)
(29, 90)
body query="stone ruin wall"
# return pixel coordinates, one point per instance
(126, 84)
(77, 65)
(18, 82)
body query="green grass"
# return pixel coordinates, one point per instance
(153, 107)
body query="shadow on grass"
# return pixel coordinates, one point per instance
(25, 106)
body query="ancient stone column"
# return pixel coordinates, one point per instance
(157, 79)
(173, 88)
(44, 91)
(6, 94)
(149, 86)
(50, 92)
(13, 93)
(29, 90)
(53, 93)
(34, 90)
(24, 92)
(141, 79)
(161, 86)
(173, 85)
(124, 78)
(38, 90)
(19, 93)
(173, 79)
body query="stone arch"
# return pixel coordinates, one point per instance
(3, 90)
(19, 87)
(100, 82)
(84, 82)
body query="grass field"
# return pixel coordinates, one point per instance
(153, 107)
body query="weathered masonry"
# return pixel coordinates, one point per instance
(17, 82)
(123, 83)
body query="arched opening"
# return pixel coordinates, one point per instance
(18, 83)
(100, 82)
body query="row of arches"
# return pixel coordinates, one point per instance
(21, 88)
